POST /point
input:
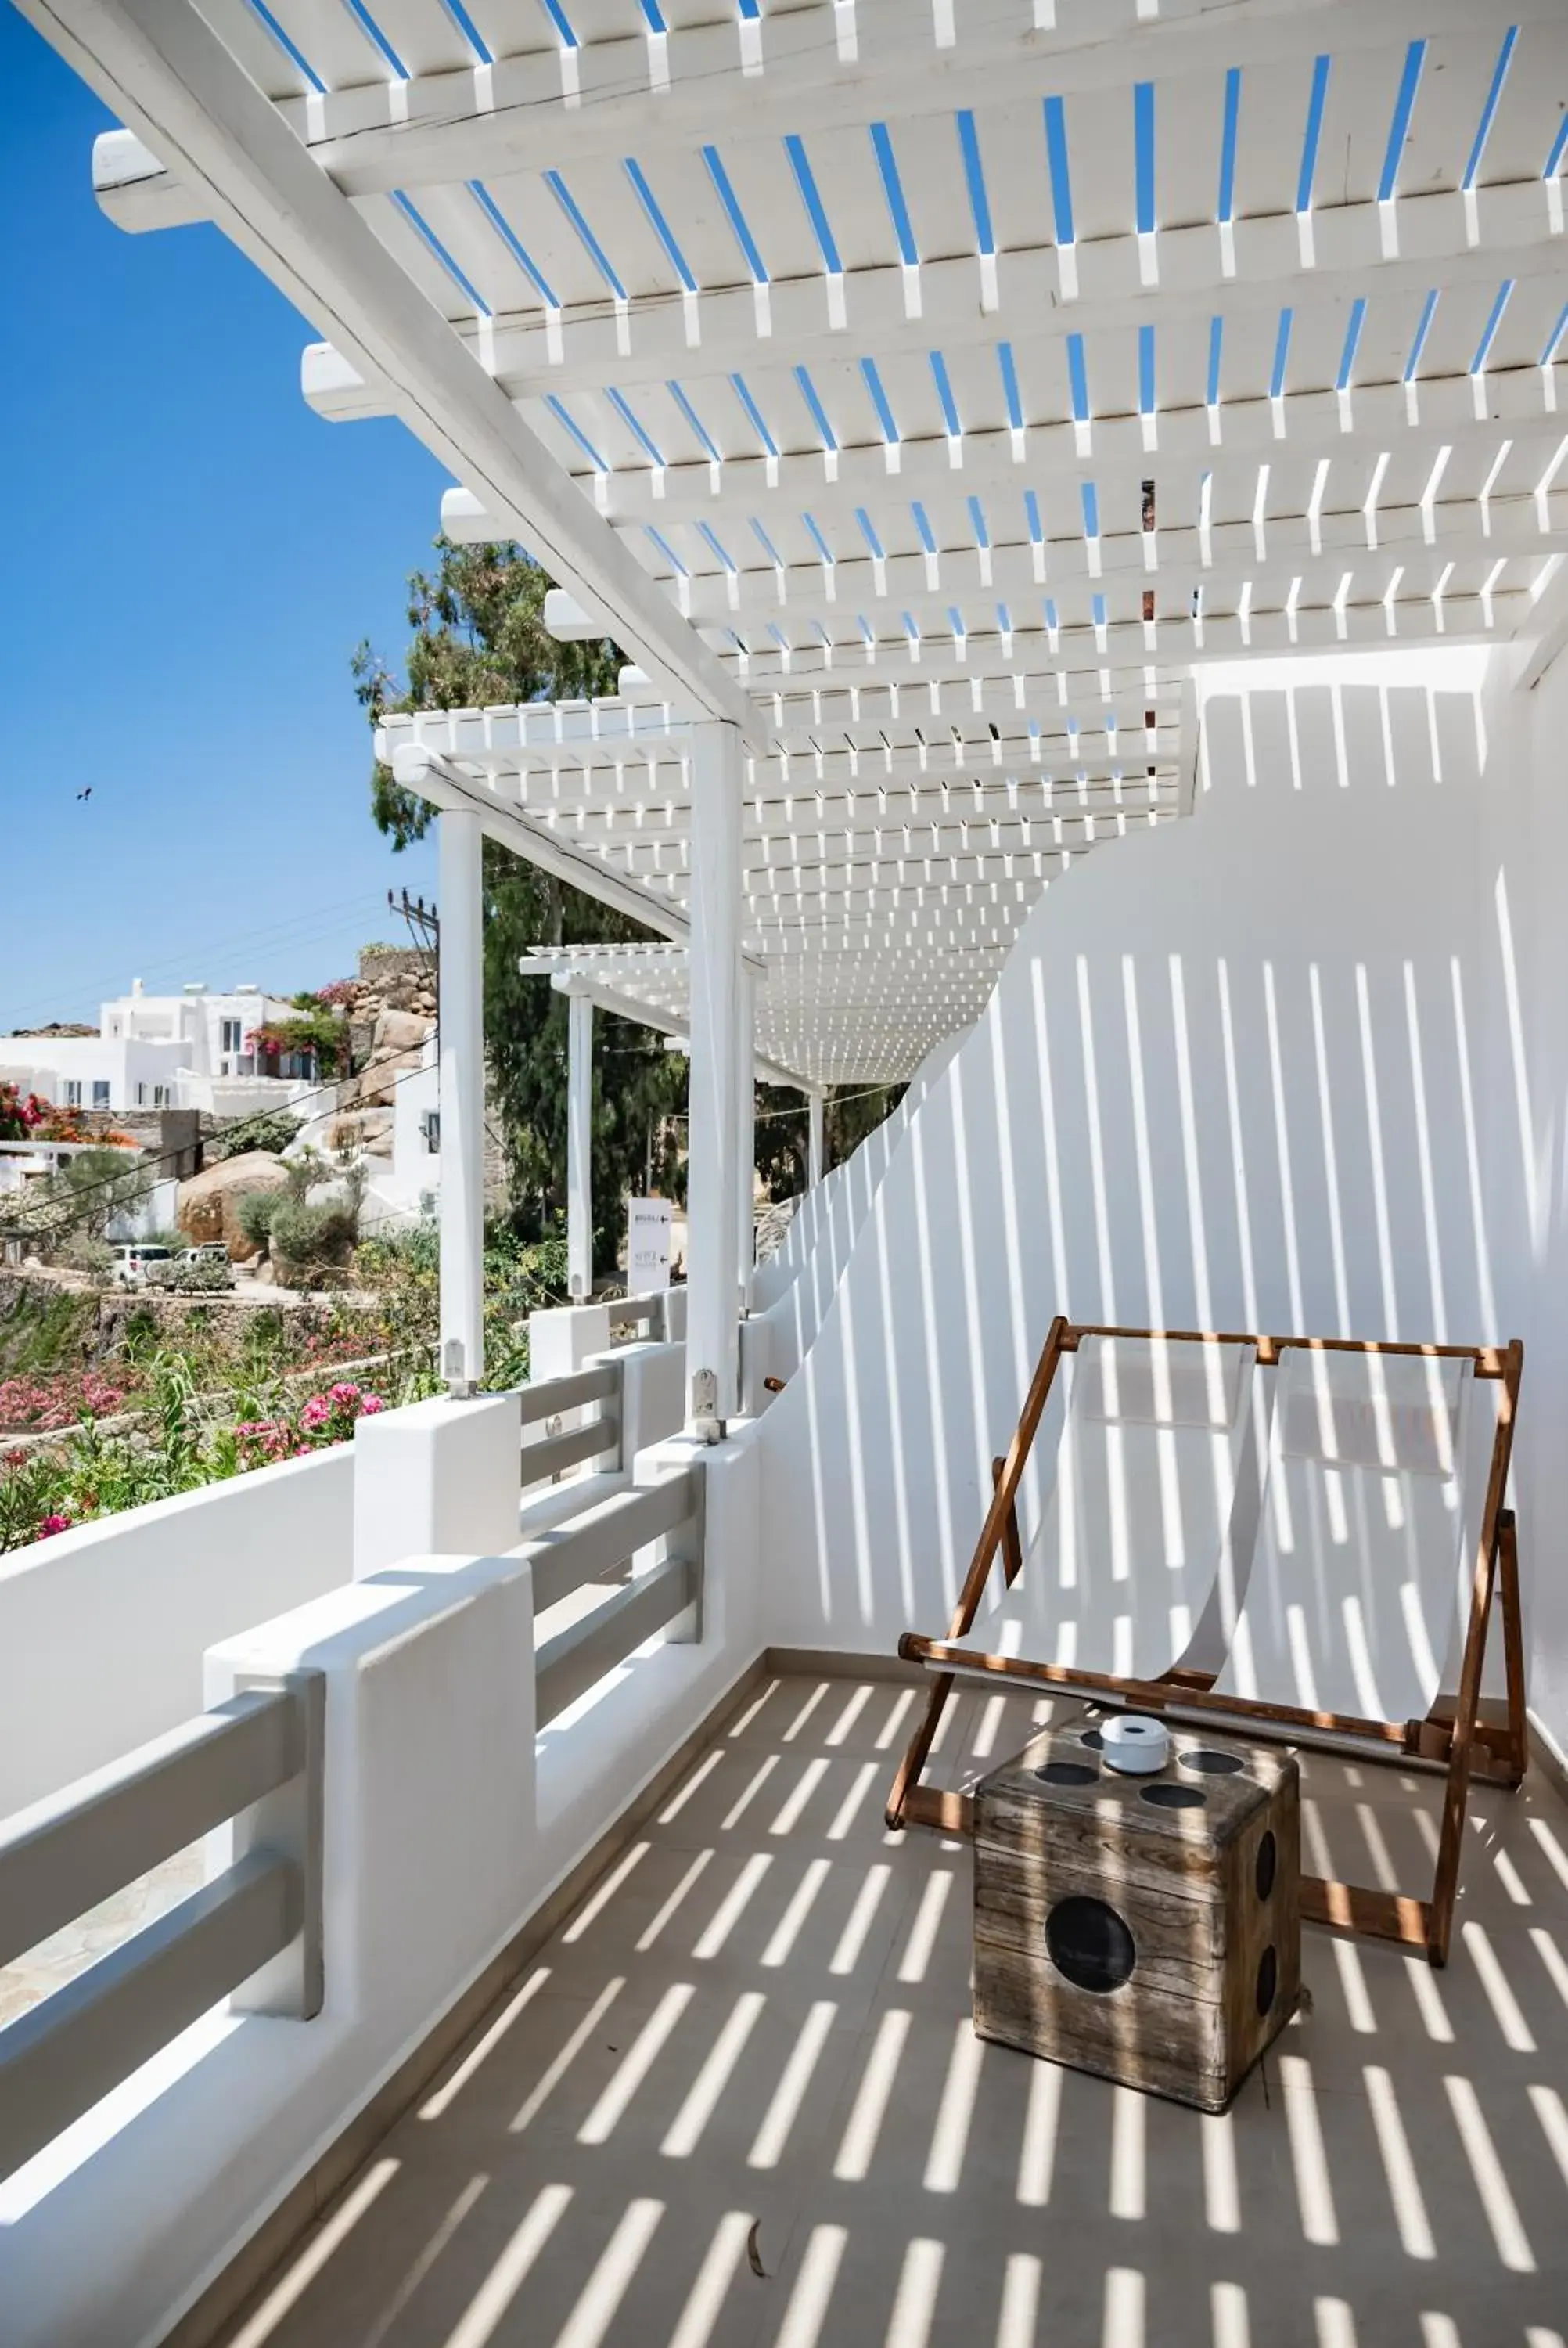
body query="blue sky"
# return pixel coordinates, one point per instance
(191, 557)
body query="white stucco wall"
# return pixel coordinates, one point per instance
(1251, 1071)
(107, 2235)
(103, 1629)
(791, 1292)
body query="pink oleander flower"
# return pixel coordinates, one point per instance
(316, 1413)
(370, 1405)
(54, 1524)
(344, 1393)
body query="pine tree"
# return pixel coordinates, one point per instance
(479, 639)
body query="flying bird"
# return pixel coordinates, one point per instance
(86, 794)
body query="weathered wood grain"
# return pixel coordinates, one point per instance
(1206, 1928)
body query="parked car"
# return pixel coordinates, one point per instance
(133, 1265)
(196, 1271)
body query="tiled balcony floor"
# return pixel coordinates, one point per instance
(738, 2100)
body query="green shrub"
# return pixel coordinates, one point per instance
(81, 1253)
(255, 1210)
(205, 1277)
(309, 1237)
(271, 1129)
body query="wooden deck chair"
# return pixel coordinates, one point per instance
(1383, 1524)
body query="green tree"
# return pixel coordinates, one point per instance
(83, 1196)
(851, 1112)
(479, 639)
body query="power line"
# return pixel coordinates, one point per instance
(273, 936)
(287, 1109)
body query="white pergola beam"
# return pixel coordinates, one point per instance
(461, 1078)
(1180, 642)
(522, 114)
(161, 65)
(580, 1144)
(1526, 405)
(574, 980)
(712, 1343)
(841, 810)
(584, 349)
(1419, 541)
(442, 784)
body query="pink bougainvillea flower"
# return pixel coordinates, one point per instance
(54, 1524)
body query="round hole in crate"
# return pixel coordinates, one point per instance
(1066, 1773)
(1167, 1796)
(1268, 1863)
(1267, 1980)
(1092, 1738)
(1090, 1943)
(1208, 1763)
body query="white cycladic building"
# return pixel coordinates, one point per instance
(405, 1186)
(190, 1050)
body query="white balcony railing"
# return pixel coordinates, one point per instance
(624, 1565)
(256, 1759)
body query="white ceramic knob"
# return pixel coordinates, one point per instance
(1136, 1746)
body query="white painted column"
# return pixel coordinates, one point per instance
(745, 1139)
(462, 1082)
(579, 1148)
(712, 1343)
(815, 1106)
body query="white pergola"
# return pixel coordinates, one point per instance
(916, 391)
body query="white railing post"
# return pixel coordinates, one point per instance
(579, 1146)
(462, 1081)
(814, 1126)
(746, 1140)
(712, 1324)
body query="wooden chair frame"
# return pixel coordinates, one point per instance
(1452, 1733)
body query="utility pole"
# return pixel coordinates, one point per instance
(423, 922)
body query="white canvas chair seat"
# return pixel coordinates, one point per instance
(1357, 1592)
(1146, 1515)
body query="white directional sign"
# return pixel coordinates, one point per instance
(647, 1245)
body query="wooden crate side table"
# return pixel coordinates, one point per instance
(1144, 1928)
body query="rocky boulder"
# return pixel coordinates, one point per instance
(209, 1205)
(369, 1129)
(396, 1044)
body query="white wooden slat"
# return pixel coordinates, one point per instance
(1101, 162)
(759, 174)
(1456, 76)
(1530, 109)
(413, 256)
(426, 36)
(530, 113)
(454, 215)
(334, 44)
(1271, 126)
(1514, 237)
(264, 58)
(1313, 424)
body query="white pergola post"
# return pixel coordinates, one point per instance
(815, 1106)
(579, 1146)
(462, 1093)
(745, 1138)
(712, 1343)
